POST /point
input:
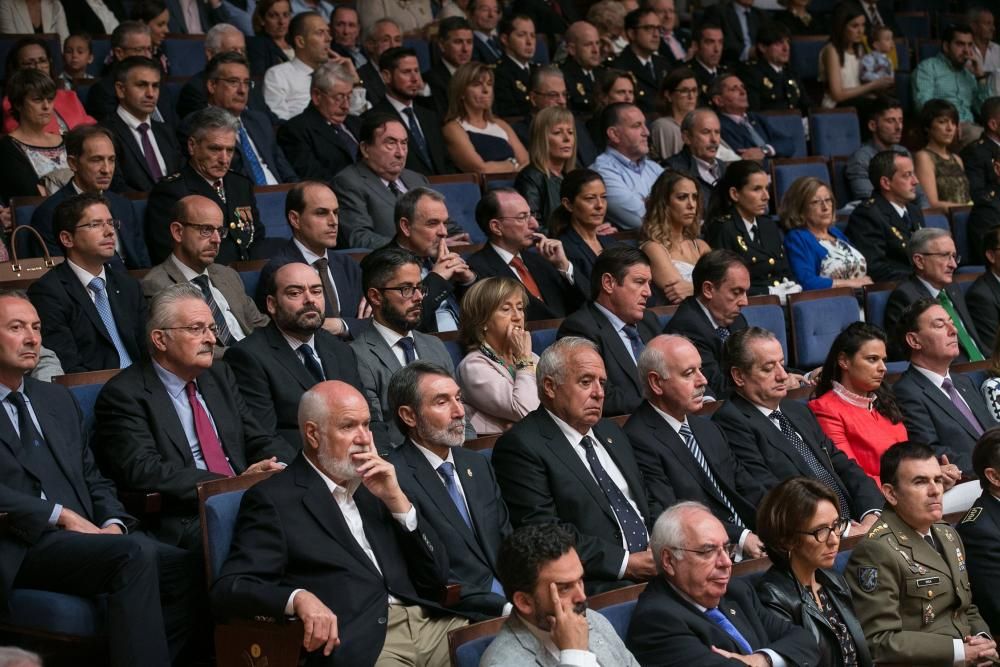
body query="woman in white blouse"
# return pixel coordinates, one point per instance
(27, 17)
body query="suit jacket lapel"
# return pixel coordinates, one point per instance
(170, 422)
(132, 145)
(61, 450)
(380, 349)
(936, 395)
(676, 446)
(529, 643)
(974, 399)
(614, 449)
(287, 357)
(564, 452)
(374, 183)
(614, 341)
(79, 293)
(9, 437)
(774, 435)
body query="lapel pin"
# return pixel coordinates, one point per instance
(468, 471)
(732, 612)
(610, 441)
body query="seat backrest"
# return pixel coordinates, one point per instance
(938, 220)
(470, 653)
(250, 281)
(466, 645)
(454, 351)
(960, 232)
(876, 298)
(619, 616)
(423, 50)
(271, 206)
(220, 517)
(541, 52)
(840, 563)
(139, 209)
(100, 47)
(915, 25)
(835, 131)
(770, 317)
(788, 123)
(816, 322)
(841, 189)
(186, 54)
(462, 199)
(805, 55)
(786, 172)
(541, 339)
(927, 48)
(904, 93)
(902, 54)
(86, 396)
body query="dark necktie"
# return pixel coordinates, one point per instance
(311, 363)
(224, 337)
(907, 220)
(409, 354)
(394, 189)
(208, 439)
(651, 69)
(720, 619)
(961, 406)
(30, 437)
(346, 140)
(692, 444)
(931, 542)
(753, 233)
(418, 136)
(329, 292)
(819, 471)
(148, 152)
(631, 523)
(246, 147)
(964, 339)
(633, 338)
(723, 333)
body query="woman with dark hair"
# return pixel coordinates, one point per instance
(678, 97)
(736, 221)
(579, 221)
(939, 170)
(800, 524)
(612, 85)
(840, 60)
(669, 234)
(853, 404)
(269, 45)
(552, 153)
(156, 16)
(67, 110)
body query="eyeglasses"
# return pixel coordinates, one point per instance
(206, 231)
(236, 82)
(195, 329)
(822, 534)
(945, 255)
(34, 62)
(338, 98)
(522, 218)
(93, 226)
(406, 291)
(822, 202)
(708, 553)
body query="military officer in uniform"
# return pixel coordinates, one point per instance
(512, 77)
(980, 530)
(977, 156)
(909, 577)
(707, 60)
(582, 66)
(771, 85)
(986, 212)
(640, 58)
(211, 145)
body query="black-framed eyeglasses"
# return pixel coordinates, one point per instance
(523, 217)
(206, 231)
(406, 291)
(707, 553)
(195, 329)
(100, 224)
(822, 534)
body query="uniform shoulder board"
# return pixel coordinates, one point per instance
(972, 515)
(869, 202)
(877, 528)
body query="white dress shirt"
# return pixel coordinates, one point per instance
(133, 125)
(85, 276)
(391, 338)
(220, 299)
(286, 88)
(508, 257)
(619, 325)
(311, 258)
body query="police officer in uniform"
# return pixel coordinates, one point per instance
(986, 212)
(512, 76)
(582, 66)
(909, 577)
(211, 145)
(980, 530)
(763, 251)
(771, 85)
(640, 58)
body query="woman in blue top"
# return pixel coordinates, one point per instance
(819, 254)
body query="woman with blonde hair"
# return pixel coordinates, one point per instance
(819, 254)
(552, 153)
(497, 375)
(478, 142)
(670, 231)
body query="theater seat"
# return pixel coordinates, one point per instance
(784, 172)
(186, 54)
(770, 316)
(467, 645)
(834, 131)
(818, 317)
(541, 339)
(876, 298)
(271, 207)
(619, 615)
(788, 123)
(57, 613)
(462, 193)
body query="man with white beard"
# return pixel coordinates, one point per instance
(455, 490)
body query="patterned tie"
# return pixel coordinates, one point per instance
(961, 405)
(688, 436)
(30, 437)
(964, 339)
(208, 439)
(246, 146)
(630, 521)
(149, 153)
(633, 337)
(329, 291)
(447, 472)
(104, 310)
(818, 469)
(720, 619)
(311, 362)
(224, 336)
(723, 333)
(406, 343)
(529, 281)
(418, 136)
(675, 47)
(346, 140)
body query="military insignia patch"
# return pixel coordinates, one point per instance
(928, 614)
(972, 515)
(743, 243)
(767, 83)
(580, 89)
(520, 86)
(868, 578)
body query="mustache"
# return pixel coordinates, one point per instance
(313, 308)
(580, 608)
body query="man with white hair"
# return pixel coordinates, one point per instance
(693, 612)
(221, 38)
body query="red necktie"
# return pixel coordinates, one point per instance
(211, 447)
(526, 278)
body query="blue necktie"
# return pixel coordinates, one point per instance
(631, 523)
(248, 154)
(447, 472)
(408, 353)
(104, 310)
(418, 136)
(755, 136)
(720, 619)
(692, 444)
(346, 140)
(311, 362)
(633, 337)
(723, 333)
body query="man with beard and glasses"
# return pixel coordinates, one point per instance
(455, 489)
(543, 577)
(275, 365)
(392, 284)
(178, 419)
(335, 541)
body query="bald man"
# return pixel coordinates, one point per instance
(582, 65)
(341, 499)
(197, 229)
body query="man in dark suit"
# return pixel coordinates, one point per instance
(740, 21)
(980, 530)
(674, 40)
(211, 145)
(710, 315)
(272, 372)
(880, 227)
(932, 252)
(323, 139)
(513, 71)
(707, 60)
(147, 149)
(547, 275)
(368, 594)
(484, 15)
(401, 73)
(454, 489)
(563, 464)
(67, 532)
(944, 411)
(345, 29)
(90, 154)
(582, 65)
(683, 457)
(985, 214)
(983, 298)
(694, 613)
(617, 321)
(454, 41)
(977, 157)
(167, 424)
(640, 58)
(776, 438)
(382, 36)
(771, 85)
(92, 318)
(701, 133)
(744, 131)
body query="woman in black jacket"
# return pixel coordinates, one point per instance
(801, 526)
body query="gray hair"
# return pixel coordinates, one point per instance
(126, 29)
(539, 74)
(213, 38)
(652, 360)
(11, 656)
(163, 306)
(552, 363)
(668, 531)
(736, 350)
(329, 73)
(921, 239)
(212, 118)
(687, 125)
(313, 407)
(973, 14)
(404, 387)
(382, 21)
(406, 206)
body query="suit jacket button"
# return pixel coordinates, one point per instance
(381, 620)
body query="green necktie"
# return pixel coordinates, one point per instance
(969, 345)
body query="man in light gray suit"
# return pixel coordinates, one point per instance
(542, 576)
(197, 230)
(391, 280)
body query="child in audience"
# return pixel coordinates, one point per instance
(78, 54)
(877, 63)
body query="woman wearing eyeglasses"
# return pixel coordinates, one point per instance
(678, 97)
(497, 375)
(800, 525)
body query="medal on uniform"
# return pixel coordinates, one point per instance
(580, 89)
(520, 86)
(948, 536)
(960, 558)
(743, 243)
(767, 83)
(928, 614)
(897, 233)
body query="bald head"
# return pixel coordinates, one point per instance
(333, 421)
(670, 368)
(583, 44)
(197, 230)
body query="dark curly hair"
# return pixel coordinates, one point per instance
(848, 343)
(526, 550)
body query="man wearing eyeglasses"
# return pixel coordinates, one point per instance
(932, 252)
(92, 318)
(178, 419)
(695, 613)
(641, 59)
(197, 230)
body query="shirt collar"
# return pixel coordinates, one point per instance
(572, 435)
(702, 163)
(674, 424)
(857, 400)
(295, 343)
(308, 254)
(930, 288)
(687, 598)
(711, 320)
(543, 637)
(616, 321)
(130, 120)
(938, 380)
(6, 391)
(636, 166)
(505, 255)
(301, 66)
(433, 458)
(332, 486)
(173, 384)
(85, 276)
(390, 336)
(398, 106)
(900, 210)
(186, 271)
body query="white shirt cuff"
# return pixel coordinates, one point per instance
(739, 545)
(290, 605)
(568, 274)
(577, 658)
(776, 660)
(959, 652)
(54, 517)
(621, 572)
(119, 522)
(408, 519)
